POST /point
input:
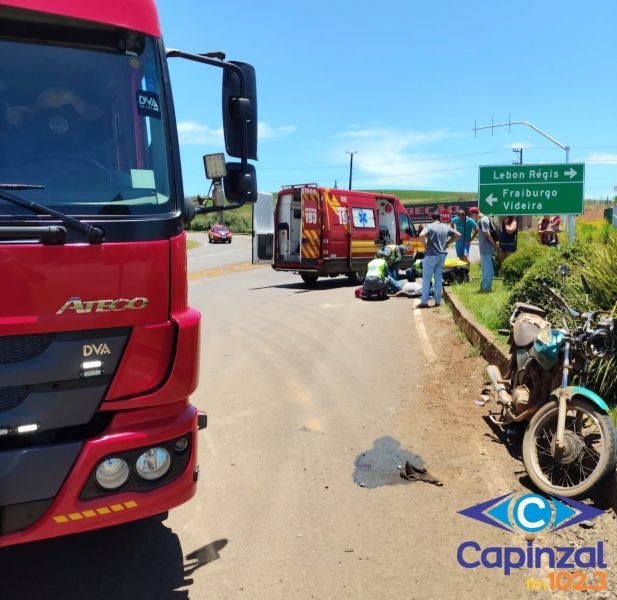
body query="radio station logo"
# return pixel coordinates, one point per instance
(531, 514)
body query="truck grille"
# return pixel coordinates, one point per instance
(15, 348)
(10, 397)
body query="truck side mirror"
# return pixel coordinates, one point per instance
(238, 109)
(188, 211)
(240, 185)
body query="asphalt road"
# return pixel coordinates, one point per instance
(216, 256)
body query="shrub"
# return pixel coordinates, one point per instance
(601, 273)
(546, 265)
(516, 265)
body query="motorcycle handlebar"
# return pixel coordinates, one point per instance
(551, 292)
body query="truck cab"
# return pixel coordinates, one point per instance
(99, 348)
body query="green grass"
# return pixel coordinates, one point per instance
(485, 308)
(420, 196)
(191, 245)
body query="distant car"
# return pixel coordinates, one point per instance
(219, 233)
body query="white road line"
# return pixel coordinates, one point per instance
(426, 345)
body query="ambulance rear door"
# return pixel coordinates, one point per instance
(263, 229)
(310, 251)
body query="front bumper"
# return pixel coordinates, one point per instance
(129, 429)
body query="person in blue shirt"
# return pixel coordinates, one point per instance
(468, 229)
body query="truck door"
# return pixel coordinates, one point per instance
(311, 227)
(263, 229)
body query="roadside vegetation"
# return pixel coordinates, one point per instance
(594, 253)
(239, 220)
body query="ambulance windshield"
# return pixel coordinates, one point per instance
(88, 125)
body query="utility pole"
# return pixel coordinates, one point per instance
(518, 151)
(571, 220)
(351, 164)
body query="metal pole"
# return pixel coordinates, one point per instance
(572, 220)
(351, 164)
(219, 199)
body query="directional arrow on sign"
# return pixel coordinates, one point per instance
(570, 173)
(491, 200)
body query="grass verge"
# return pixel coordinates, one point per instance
(191, 244)
(485, 308)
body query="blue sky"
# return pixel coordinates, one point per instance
(402, 83)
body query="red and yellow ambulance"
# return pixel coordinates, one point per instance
(325, 232)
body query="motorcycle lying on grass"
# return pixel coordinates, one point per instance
(570, 443)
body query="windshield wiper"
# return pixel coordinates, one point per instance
(95, 235)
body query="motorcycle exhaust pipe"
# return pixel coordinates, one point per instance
(495, 376)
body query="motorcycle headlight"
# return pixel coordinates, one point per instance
(600, 343)
(545, 336)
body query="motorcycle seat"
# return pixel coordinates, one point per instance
(523, 307)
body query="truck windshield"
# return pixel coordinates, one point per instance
(88, 125)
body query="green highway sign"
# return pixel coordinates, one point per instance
(532, 189)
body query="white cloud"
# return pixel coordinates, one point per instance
(391, 158)
(517, 145)
(599, 157)
(193, 132)
(266, 132)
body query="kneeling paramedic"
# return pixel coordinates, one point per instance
(394, 258)
(381, 269)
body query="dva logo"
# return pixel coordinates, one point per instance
(531, 512)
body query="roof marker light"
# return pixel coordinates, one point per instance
(27, 428)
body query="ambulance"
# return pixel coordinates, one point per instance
(324, 232)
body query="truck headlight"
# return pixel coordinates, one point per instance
(112, 473)
(153, 463)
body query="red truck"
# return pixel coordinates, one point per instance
(324, 232)
(99, 350)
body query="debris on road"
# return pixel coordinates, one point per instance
(382, 464)
(411, 473)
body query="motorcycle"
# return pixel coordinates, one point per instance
(570, 443)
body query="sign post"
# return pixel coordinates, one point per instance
(532, 189)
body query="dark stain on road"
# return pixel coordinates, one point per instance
(382, 464)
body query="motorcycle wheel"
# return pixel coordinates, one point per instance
(590, 454)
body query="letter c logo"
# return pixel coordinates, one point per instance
(532, 512)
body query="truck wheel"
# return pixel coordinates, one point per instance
(309, 279)
(356, 277)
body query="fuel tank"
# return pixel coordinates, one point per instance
(526, 328)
